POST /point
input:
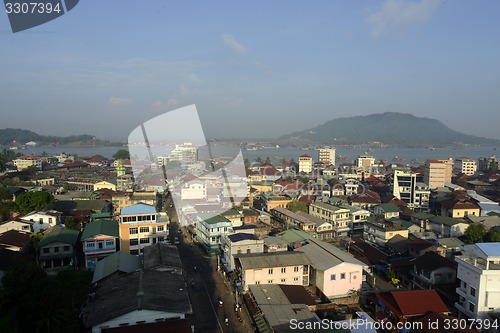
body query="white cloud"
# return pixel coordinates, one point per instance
(397, 16)
(118, 101)
(233, 44)
(172, 101)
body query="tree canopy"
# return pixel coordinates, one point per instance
(31, 201)
(295, 206)
(52, 303)
(122, 154)
(477, 233)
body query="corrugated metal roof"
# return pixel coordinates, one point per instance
(490, 249)
(63, 235)
(137, 209)
(325, 256)
(118, 261)
(101, 227)
(276, 259)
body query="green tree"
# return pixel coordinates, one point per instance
(5, 194)
(122, 154)
(492, 237)
(258, 160)
(35, 243)
(475, 233)
(31, 201)
(332, 181)
(32, 170)
(296, 205)
(303, 180)
(267, 160)
(72, 223)
(6, 210)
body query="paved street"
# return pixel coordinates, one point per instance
(206, 287)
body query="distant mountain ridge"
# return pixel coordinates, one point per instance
(16, 136)
(391, 128)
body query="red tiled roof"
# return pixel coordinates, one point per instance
(409, 303)
(305, 155)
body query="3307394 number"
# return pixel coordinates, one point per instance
(32, 8)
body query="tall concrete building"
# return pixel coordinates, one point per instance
(405, 187)
(478, 272)
(365, 161)
(465, 165)
(305, 163)
(327, 156)
(438, 172)
(186, 152)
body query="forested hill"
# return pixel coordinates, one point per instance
(17, 137)
(387, 128)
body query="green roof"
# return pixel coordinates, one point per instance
(118, 261)
(293, 236)
(351, 208)
(422, 216)
(63, 235)
(230, 212)
(215, 219)
(389, 207)
(101, 227)
(100, 215)
(405, 224)
(444, 220)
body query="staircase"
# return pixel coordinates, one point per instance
(261, 323)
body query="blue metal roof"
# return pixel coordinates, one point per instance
(490, 249)
(137, 209)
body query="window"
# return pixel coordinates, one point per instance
(144, 240)
(270, 271)
(465, 285)
(283, 269)
(471, 307)
(295, 279)
(134, 252)
(257, 282)
(296, 269)
(283, 280)
(473, 291)
(134, 242)
(56, 249)
(132, 231)
(144, 229)
(249, 251)
(159, 228)
(110, 243)
(90, 245)
(270, 281)
(238, 252)
(46, 250)
(342, 276)
(66, 248)
(333, 277)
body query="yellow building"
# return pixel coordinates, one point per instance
(105, 184)
(438, 172)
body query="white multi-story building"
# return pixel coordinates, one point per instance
(305, 163)
(42, 220)
(479, 274)
(186, 152)
(466, 166)
(327, 156)
(405, 187)
(365, 161)
(210, 229)
(194, 191)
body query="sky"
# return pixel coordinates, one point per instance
(254, 69)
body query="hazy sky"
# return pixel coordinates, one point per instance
(253, 68)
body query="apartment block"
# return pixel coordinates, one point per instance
(438, 172)
(140, 226)
(479, 275)
(327, 156)
(466, 166)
